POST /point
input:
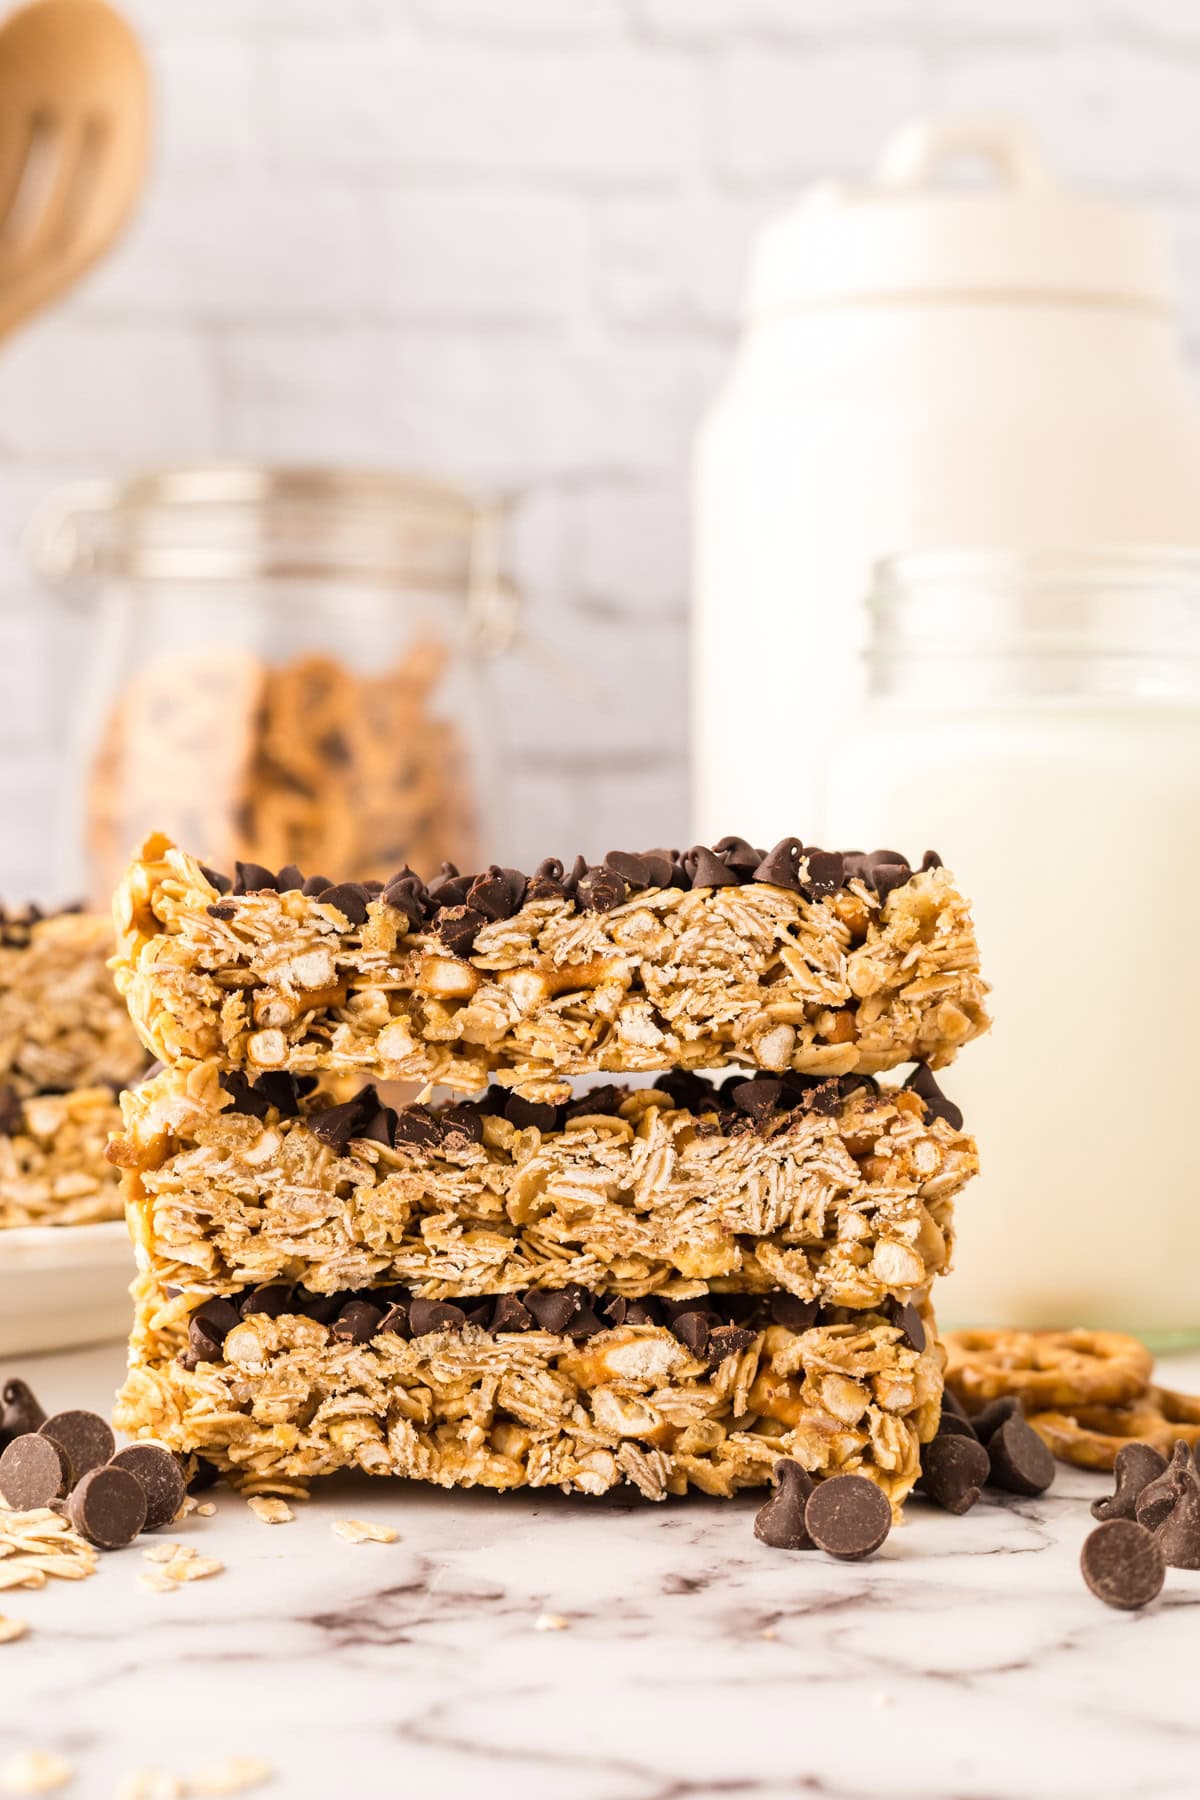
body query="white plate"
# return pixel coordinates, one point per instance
(64, 1285)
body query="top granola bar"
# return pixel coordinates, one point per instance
(798, 959)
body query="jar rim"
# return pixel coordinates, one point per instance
(1131, 564)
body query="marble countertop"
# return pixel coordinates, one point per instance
(966, 1662)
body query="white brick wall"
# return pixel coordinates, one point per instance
(504, 239)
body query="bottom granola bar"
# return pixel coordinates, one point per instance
(53, 1170)
(292, 1395)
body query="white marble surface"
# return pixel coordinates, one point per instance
(966, 1662)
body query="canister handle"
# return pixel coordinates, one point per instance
(913, 155)
(56, 541)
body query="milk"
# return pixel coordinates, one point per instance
(1074, 826)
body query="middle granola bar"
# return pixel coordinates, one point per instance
(836, 1191)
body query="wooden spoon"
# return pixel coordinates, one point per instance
(74, 130)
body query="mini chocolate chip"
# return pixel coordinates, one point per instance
(908, 1320)
(640, 1312)
(757, 1098)
(780, 1522)
(289, 879)
(690, 1092)
(19, 1410)
(1135, 1467)
(85, 1439)
(271, 1299)
(995, 1414)
(222, 909)
(651, 869)
(378, 1127)
(314, 885)
(707, 870)
(244, 1096)
(338, 1125)
(349, 898)
(739, 856)
(848, 1516)
(323, 1309)
(1157, 1499)
(885, 870)
(781, 868)
(694, 1330)
(526, 1114)
(585, 1324)
(33, 1471)
(600, 890)
(950, 1425)
(553, 1309)
(215, 879)
(1020, 1462)
(604, 1101)
(952, 1403)
(1179, 1534)
(491, 895)
(457, 927)
(395, 1320)
(418, 1126)
(461, 1125)
(922, 1083)
(406, 894)
(930, 860)
(252, 878)
(953, 1471)
(728, 1340)
(357, 1322)
(158, 1474)
(208, 1328)
(108, 1507)
(1122, 1564)
(793, 1313)
(510, 1315)
(435, 1315)
(826, 873)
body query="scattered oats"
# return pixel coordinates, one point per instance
(232, 1775)
(194, 1568)
(190, 1505)
(21, 1572)
(34, 1772)
(207, 1510)
(270, 1510)
(359, 1531)
(272, 1484)
(11, 1629)
(151, 1784)
(162, 1552)
(550, 1622)
(157, 1582)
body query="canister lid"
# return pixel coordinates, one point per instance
(909, 234)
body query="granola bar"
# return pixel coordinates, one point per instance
(62, 1024)
(53, 1167)
(834, 1190)
(462, 1405)
(797, 960)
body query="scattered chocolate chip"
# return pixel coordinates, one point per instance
(780, 1522)
(1158, 1498)
(952, 1404)
(1020, 1462)
(19, 1410)
(85, 1439)
(930, 860)
(252, 878)
(34, 1470)
(314, 885)
(511, 1315)
(651, 869)
(1135, 1467)
(435, 1315)
(491, 895)
(826, 873)
(349, 898)
(158, 1474)
(758, 1098)
(406, 893)
(208, 1328)
(357, 1322)
(848, 1516)
(1179, 1534)
(215, 879)
(953, 1470)
(739, 856)
(884, 870)
(526, 1114)
(271, 1299)
(457, 927)
(289, 879)
(922, 1083)
(222, 909)
(108, 1507)
(781, 868)
(996, 1413)
(793, 1313)
(1122, 1564)
(552, 1309)
(950, 1425)
(600, 890)
(707, 870)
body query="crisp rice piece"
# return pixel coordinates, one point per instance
(231, 1775)
(362, 1531)
(754, 975)
(35, 1772)
(534, 1409)
(845, 1198)
(270, 1510)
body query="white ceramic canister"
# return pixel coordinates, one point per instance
(1036, 718)
(921, 365)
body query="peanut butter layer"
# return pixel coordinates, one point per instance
(534, 1409)
(751, 974)
(62, 1024)
(53, 1167)
(835, 1191)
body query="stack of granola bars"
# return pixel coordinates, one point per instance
(66, 1049)
(672, 1284)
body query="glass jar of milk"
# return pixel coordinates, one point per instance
(1035, 717)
